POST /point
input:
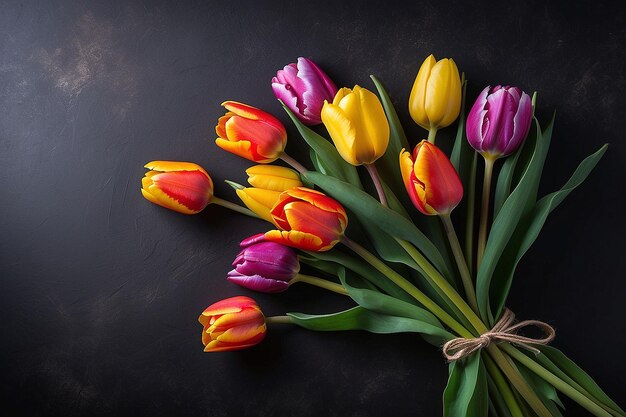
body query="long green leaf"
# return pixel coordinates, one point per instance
(326, 152)
(466, 393)
(385, 304)
(362, 269)
(359, 318)
(386, 219)
(388, 164)
(573, 371)
(546, 392)
(504, 225)
(529, 227)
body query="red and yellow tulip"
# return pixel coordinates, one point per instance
(180, 186)
(309, 220)
(430, 179)
(250, 133)
(267, 181)
(232, 324)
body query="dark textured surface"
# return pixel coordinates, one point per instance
(100, 290)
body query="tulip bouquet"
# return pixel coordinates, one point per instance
(359, 235)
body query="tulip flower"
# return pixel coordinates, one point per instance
(264, 266)
(232, 324)
(304, 87)
(180, 186)
(499, 121)
(309, 220)
(357, 125)
(250, 133)
(267, 181)
(430, 179)
(435, 100)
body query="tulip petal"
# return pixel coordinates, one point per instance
(417, 97)
(267, 142)
(522, 122)
(341, 130)
(272, 177)
(259, 201)
(297, 239)
(252, 113)
(191, 189)
(166, 166)
(259, 283)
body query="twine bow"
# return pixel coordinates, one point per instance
(503, 331)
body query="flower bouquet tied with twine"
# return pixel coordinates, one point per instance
(403, 245)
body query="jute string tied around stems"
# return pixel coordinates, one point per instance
(503, 331)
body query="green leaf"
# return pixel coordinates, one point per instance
(505, 223)
(388, 163)
(461, 151)
(544, 390)
(385, 304)
(365, 271)
(333, 162)
(359, 318)
(369, 209)
(466, 393)
(566, 366)
(529, 227)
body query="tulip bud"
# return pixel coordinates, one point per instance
(309, 220)
(430, 179)
(232, 324)
(499, 121)
(264, 266)
(357, 125)
(304, 87)
(180, 186)
(435, 100)
(268, 182)
(250, 133)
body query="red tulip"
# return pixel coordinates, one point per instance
(430, 179)
(232, 324)
(250, 133)
(309, 220)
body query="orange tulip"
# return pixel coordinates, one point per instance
(232, 324)
(309, 220)
(180, 186)
(430, 179)
(250, 133)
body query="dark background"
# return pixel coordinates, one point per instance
(100, 290)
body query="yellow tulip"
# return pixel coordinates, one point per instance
(357, 125)
(267, 181)
(435, 100)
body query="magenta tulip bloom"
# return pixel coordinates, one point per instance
(499, 121)
(264, 266)
(303, 87)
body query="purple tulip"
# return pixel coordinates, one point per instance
(264, 266)
(499, 121)
(303, 87)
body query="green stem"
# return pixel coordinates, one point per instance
(470, 292)
(503, 387)
(319, 282)
(278, 320)
(432, 132)
(234, 207)
(294, 164)
(471, 208)
(558, 383)
(371, 169)
(518, 381)
(403, 283)
(484, 210)
(435, 277)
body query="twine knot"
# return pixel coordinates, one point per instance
(503, 331)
